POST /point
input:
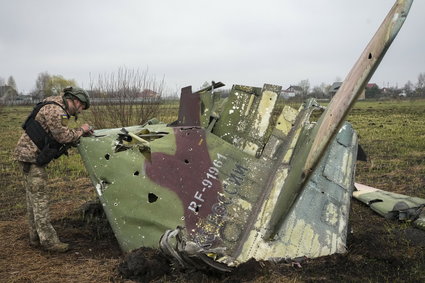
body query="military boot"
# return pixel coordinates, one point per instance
(57, 247)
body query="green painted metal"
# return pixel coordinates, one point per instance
(225, 182)
(333, 118)
(116, 177)
(392, 205)
(142, 173)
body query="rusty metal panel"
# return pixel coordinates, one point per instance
(190, 108)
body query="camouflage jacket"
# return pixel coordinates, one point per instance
(54, 120)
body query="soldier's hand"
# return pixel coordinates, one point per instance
(87, 129)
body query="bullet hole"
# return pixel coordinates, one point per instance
(370, 56)
(197, 208)
(186, 161)
(152, 197)
(107, 156)
(374, 201)
(136, 173)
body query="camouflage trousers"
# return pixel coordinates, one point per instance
(37, 198)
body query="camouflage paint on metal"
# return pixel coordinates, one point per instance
(331, 121)
(245, 119)
(226, 181)
(392, 205)
(317, 224)
(221, 194)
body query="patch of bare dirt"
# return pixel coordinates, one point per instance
(378, 250)
(93, 257)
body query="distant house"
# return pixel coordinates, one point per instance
(372, 85)
(335, 87)
(7, 93)
(147, 93)
(291, 91)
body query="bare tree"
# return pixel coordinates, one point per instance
(421, 80)
(305, 86)
(11, 82)
(409, 88)
(317, 92)
(127, 97)
(420, 86)
(41, 84)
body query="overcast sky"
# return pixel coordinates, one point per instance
(189, 42)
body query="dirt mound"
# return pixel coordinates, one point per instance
(144, 265)
(378, 250)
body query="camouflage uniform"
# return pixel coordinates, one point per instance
(54, 120)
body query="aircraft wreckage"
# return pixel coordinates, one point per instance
(226, 182)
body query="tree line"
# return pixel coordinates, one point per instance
(126, 97)
(373, 91)
(47, 85)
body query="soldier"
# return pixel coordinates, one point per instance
(46, 137)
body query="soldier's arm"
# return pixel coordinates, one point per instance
(54, 121)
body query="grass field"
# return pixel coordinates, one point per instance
(392, 133)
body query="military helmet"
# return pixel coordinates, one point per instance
(78, 93)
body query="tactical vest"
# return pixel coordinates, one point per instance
(48, 146)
